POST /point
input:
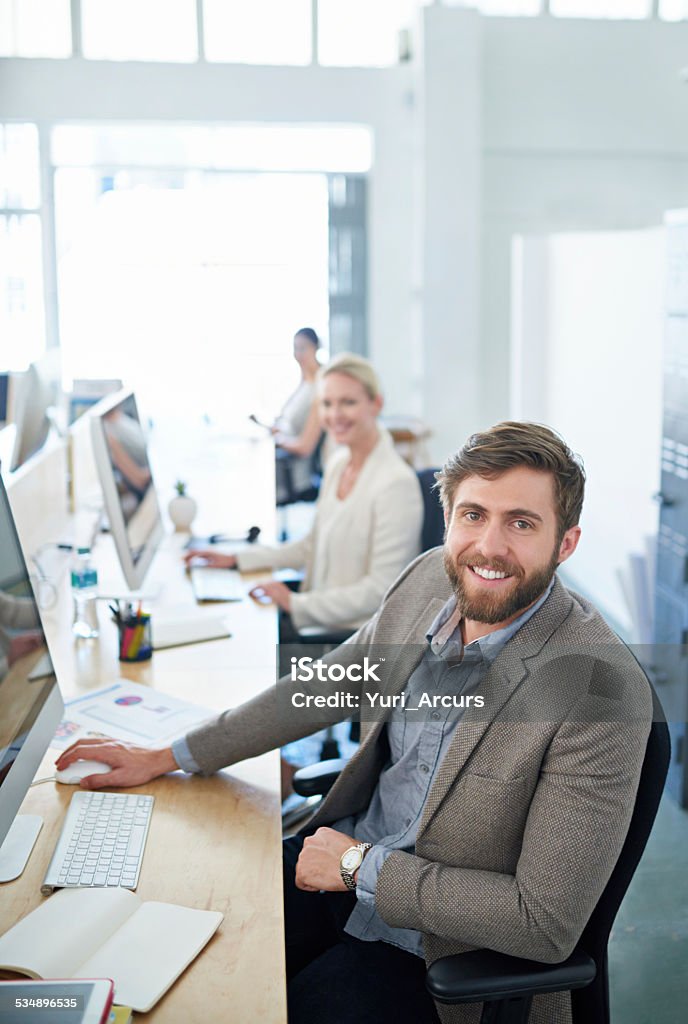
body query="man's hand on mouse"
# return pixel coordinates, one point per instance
(131, 765)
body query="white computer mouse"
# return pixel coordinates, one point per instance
(73, 775)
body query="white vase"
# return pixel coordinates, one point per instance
(182, 510)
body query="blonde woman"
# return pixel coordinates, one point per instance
(368, 517)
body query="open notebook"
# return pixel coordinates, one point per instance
(109, 933)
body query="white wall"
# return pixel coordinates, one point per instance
(600, 354)
(451, 186)
(584, 129)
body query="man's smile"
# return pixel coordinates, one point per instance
(486, 574)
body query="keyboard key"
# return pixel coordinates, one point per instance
(136, 842)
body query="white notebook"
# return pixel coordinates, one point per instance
(109, 933)
(173, 629)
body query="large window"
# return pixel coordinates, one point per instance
(350, 33)
(673, 10)
(259, 31)
(22, 317)
(509, 7)
(139, 30)
(35, 28)
(178, 263)
(191, 285)
(629, 9)
(265, 147)
(362, 32)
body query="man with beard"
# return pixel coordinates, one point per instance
(485, 826)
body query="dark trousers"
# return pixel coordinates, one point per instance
(333, 978)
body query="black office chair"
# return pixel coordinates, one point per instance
(433, 516)
(432, 535)
(506, 985)
(287, 493)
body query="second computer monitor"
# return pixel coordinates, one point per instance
(131, 504)
(37, 392)
(30, 701)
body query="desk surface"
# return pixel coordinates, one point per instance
(214, 843)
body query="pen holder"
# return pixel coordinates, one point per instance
(135, 638)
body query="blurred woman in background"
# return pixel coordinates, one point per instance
(297, 430)
(368, 516)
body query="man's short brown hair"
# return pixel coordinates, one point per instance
(511, 444)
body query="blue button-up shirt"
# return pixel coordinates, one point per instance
(418, 742)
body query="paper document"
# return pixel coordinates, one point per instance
(128, 711)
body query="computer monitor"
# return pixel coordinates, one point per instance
(4, 397)
(36, 396)
(30, 702)
(131, 504)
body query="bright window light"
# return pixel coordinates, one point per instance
(628, 9)
(509, 8)
(362, 33)
(258, 31)
(22, 320)
(259, 147)
(673, 10)
(35, 28)
(19, 173)
(503, 8)
(155, 30)
(217, 273)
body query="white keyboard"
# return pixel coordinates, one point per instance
(217, 584)
(101, 843)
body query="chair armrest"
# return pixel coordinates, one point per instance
(319, 778)
(322, 635)
(485, 976)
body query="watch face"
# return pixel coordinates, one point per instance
(352, 860)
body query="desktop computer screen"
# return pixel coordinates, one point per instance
(4, 397)
(131, 504)
(30, 702)
(37, 393)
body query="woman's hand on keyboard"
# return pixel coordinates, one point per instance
(213, 559)
(131, 765)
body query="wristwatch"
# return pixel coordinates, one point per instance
(350, 861)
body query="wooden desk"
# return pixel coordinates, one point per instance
(214, 843)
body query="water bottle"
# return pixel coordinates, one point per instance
(84, 592)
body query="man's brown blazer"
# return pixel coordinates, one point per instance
(529, 809)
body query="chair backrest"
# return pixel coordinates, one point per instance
(591, 1004)
(287, 493)
(316, 460)
(433, 516)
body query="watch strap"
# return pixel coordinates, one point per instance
(348, 876)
